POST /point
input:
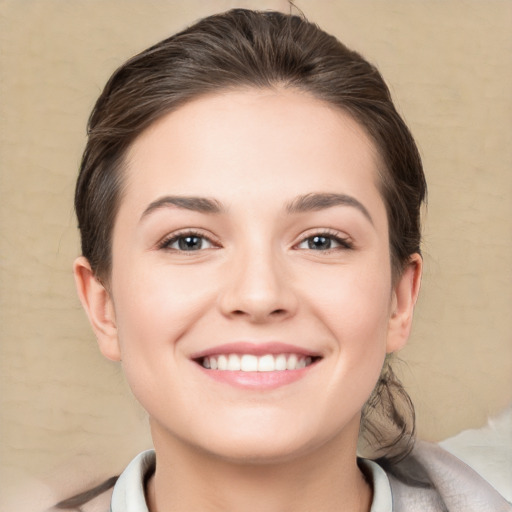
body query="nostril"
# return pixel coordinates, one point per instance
(274, 313)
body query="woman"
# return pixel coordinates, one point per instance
(249, 205)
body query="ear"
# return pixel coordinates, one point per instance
(98, 305)
(405, 293)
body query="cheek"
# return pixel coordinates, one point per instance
(353, 301)
(355, 307)
(155, 305)
(155, 310)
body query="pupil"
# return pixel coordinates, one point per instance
(319, 242)
(190, 243)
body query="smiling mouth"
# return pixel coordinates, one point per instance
(253, 363)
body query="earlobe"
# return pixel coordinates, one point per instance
(405, 294)
(98, 305)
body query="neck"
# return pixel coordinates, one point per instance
(326, 479)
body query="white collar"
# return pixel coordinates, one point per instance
(382, 497)
(129, 496)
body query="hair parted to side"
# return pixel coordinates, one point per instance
(243, 48)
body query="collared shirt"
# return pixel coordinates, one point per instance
(128, 495)
(432, 481)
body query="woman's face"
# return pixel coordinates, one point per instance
(252, 237)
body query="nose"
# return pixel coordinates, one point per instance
(259, 289)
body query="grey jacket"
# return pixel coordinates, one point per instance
(442, 483)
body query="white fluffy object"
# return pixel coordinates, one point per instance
(488, 450)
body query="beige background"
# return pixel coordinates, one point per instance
(67, 419)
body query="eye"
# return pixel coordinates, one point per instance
(324, 242)
(187, 242)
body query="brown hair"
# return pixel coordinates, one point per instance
(242, 48)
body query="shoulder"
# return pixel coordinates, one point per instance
(432, 480)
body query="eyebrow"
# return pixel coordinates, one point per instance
(197, 204)
(321, 201)
(301, 204)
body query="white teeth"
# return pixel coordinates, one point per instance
(291, 362)
(281, 362)
(252, 363)
(266, 363)
(233, 363)
(249, 363)
(222, 363)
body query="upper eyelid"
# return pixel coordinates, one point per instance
(183, 233)
(333, 233)
(341, 237)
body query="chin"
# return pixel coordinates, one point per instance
(259, 453)
(269, 444)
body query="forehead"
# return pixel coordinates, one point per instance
(245, 133)
(264, 122)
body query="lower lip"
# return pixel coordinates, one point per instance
(258, 381)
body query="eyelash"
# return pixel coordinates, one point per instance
(344, 243)
(166, 243)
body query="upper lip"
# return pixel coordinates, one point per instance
(257, 349)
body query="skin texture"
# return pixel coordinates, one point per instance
(255, 279)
